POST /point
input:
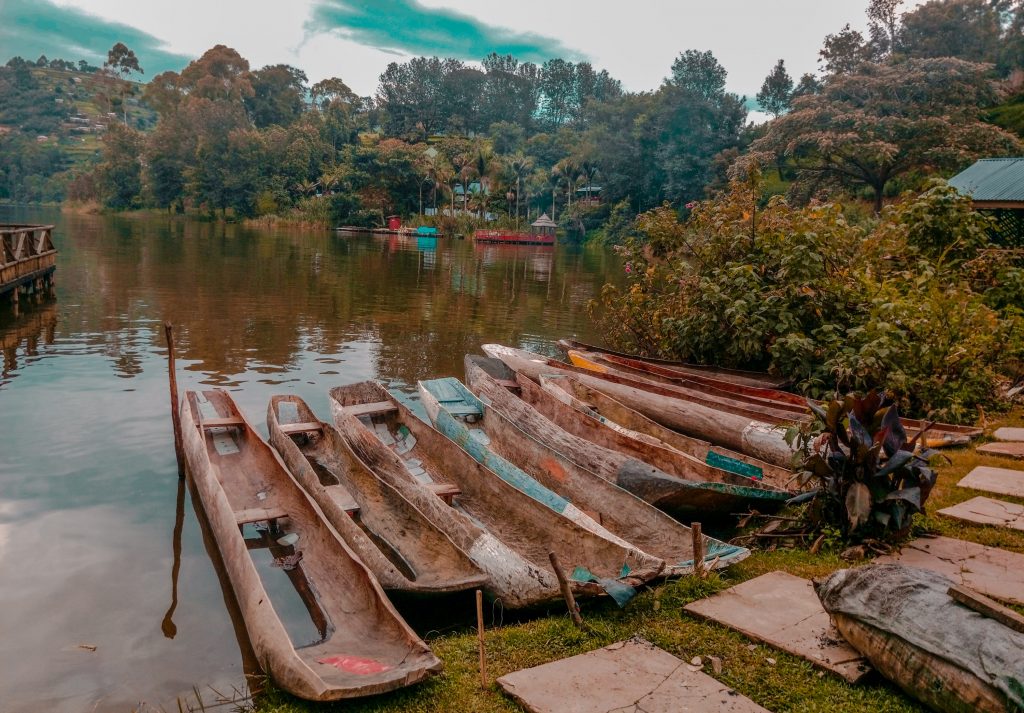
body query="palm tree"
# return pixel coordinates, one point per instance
(567, 171)
(486, 164)
(588, 170)
(520, 166)
(306, 187)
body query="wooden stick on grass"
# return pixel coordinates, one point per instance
(480, 636)
(698, 550)
(563, 583)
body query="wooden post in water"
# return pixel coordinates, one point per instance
(175, 415)
(698, 550)
(480, 636)
(563, 583)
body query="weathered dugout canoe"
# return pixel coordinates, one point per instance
(939, 434)
(684, 493)
(365, 647)
(495, 438)
(746, 435)
(504, 530)
(486, 374)
(590, 401)
(698, 393)
(400, 545)
(736, 376)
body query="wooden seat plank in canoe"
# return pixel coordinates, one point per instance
(370, 409)
(244, 517)
(446, 491)
(226, 422)
(341, 495)
(291, 429)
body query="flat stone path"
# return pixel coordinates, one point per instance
(1007, 433)
(632, 676)
(782, 610)
(987, 511)
(1001, 481)
(991, 571)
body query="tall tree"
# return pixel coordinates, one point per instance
(843, 52)
(699, 73)
(278, 95)
(869, 128)
(122, 62)
(776, 93)
(884, 25)
(966, 29)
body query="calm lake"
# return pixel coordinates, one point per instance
(89, 493)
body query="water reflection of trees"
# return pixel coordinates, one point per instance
(249, 299)
(20, 336)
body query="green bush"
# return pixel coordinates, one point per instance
(915, 300)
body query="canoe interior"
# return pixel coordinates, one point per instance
(587, 399)
(619, 511)
(282, 557)
(376, 520)
(520, 523)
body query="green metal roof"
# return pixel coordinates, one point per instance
(992, 179)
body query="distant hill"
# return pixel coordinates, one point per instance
(52, 116)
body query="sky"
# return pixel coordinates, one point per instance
(355, 39)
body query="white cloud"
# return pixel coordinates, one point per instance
(635, 41)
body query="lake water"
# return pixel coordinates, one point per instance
(89, 495)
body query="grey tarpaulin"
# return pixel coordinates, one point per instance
(914, 605)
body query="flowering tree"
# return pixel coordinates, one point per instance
(885, 120)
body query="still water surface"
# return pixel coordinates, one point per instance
(88, 485)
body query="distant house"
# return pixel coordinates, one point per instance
(996, 186)
(589, 195)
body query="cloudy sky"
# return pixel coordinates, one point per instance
(635, 41)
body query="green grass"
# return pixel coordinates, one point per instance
(790, 684)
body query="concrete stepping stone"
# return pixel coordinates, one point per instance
(1009, 434)
(1001, 481)
(987, 511)
(1009, 449)
(990, 571)
(629, 676)
(782, 610)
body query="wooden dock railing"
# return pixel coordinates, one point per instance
(27, 260)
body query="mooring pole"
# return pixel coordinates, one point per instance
(175, 415)
(480, 636)
(563, 584)
(698, 550)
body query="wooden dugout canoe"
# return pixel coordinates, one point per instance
(400, 545)
(771, 400)
(507, 533)
(662, 477)
(490, 435)
(735, 376)
(750, 436)
(604, 408)
(252, 502)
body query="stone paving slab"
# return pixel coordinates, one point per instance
(782, 610)
(987, 511)
(1009, 449)
(1001, 481)
(1009, 434)
(627, 677)
(991, 571)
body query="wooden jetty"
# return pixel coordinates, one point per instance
(27, 261)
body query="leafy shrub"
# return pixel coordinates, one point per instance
(914, 300)
(870, 482)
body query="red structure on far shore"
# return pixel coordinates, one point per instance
(542, 233)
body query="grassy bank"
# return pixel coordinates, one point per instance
(773, 679)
